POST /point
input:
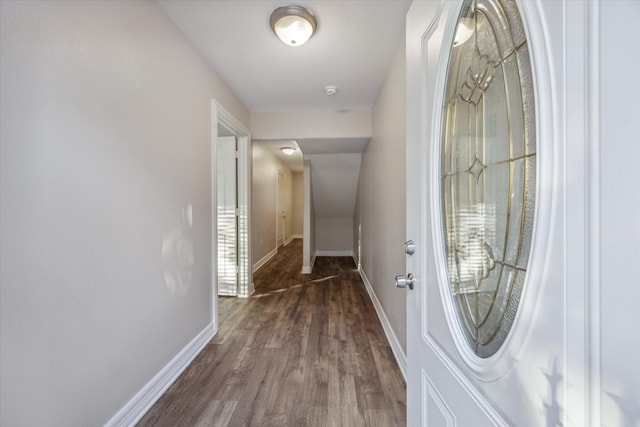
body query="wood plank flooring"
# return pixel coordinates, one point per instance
(304, 350)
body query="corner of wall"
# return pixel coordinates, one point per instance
(135, 409)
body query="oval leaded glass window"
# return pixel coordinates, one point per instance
(488, 169)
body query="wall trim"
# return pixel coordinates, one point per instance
(219, 115)
(135, 409)
(334, 253)
(290, 239)
(264, 260)
(308, 269)
(396, 348)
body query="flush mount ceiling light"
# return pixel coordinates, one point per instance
(288, 150)
(294, 25)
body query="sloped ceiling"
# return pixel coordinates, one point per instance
(334, 145)
(335, 184)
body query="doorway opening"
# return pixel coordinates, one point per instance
(230, 209)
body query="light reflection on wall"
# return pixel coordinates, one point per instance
(178, 252)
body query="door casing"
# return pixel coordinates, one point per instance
(220, 116)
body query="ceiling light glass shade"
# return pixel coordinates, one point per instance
(294, 25)
(288, 150)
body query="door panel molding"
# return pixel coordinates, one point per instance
(583, 382)
(448, 365)
(430, 394)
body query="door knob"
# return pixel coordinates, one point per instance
(404, 281)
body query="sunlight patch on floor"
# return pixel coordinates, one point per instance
(277, 291)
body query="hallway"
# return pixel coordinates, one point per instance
(304, 350)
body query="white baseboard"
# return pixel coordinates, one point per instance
(293, 236)
(308, 269)
(135, 409)
(396, 348)
(264, 260)
(334, 253)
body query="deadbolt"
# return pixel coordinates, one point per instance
(409, 247)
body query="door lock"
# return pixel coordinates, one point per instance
(404, 281)
(409, 247)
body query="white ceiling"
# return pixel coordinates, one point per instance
(352, 49)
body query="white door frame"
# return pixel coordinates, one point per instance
(219, 115)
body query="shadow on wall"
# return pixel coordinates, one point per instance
(628, 404)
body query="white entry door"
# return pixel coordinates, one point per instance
(522, 203)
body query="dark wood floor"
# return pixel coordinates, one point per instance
(304, 350)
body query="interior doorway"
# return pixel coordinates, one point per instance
(230, 207)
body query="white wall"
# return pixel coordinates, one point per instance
(311, 124)
(264, 198)
(105, 162)
(309, 221)
(298, 203)
(288, 220)
(263, 202)
(334, 237)
(380, 208)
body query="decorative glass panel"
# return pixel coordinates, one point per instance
(488, 169)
